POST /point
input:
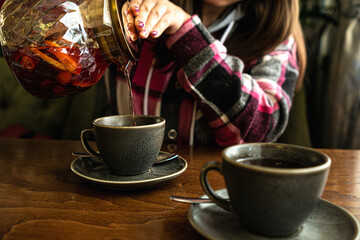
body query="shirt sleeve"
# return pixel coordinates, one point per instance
(239, 107)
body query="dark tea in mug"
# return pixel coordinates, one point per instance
(272, 162)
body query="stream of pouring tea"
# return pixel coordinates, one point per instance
(128, 81)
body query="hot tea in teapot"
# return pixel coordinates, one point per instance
(62, 47)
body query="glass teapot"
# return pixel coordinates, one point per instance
(57, 48)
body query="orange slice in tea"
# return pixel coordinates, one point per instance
(48, 59)
(64, 58)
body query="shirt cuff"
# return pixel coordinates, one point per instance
(186, 27)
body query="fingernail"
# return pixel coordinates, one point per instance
(129, 25)
(136, 8)
(154, 33)
(144, 32)
(140, 23)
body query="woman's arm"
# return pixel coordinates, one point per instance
(239, 107)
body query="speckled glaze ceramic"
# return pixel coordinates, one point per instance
(94, 171)
(128, 145)
(270, 201)
(328, 221)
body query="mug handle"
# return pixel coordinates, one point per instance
(223, 203)
(86, 145)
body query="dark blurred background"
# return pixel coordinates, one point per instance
(332, 30)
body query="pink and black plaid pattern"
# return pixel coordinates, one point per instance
(239, 106)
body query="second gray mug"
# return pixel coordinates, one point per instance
(273, 188)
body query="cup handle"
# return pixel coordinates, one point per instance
(86, 145)
(223, 203)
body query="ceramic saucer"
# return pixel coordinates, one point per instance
(97, 172)
(328, 221)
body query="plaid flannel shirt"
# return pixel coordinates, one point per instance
(240, 103)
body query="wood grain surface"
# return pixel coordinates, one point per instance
(41, 198)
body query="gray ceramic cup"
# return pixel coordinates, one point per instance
(128, 145)
(273, 188)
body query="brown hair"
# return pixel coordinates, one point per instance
(265, 26)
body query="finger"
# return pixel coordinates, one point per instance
(145, 9)
(129, 20)
(161, 26)
(135, 6)
(155, 16)
(131, 31)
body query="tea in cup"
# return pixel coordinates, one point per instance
(128, 144)
(273, 188)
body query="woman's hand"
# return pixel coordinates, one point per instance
(152, 18)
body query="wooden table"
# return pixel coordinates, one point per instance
(41, 198)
